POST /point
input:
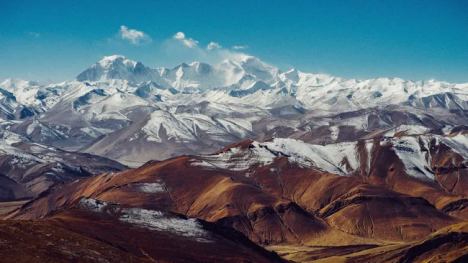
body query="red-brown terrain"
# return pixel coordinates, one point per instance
(391, 200)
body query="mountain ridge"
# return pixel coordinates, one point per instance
(236, 156)
(215, 105)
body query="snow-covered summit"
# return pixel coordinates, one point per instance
(245, 76)
(199, 107)
(108, 61)
(14, 84)
(118, 67)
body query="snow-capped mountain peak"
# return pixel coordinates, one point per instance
(292, 75)
(108, 61)
(208, 101)
(12, 84)
(119, 67)
(245, 75)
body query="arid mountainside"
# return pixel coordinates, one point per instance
(27, 168)
(449, 244)
(95, 231)
(394, 197)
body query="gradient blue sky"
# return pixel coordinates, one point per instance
(415, 40)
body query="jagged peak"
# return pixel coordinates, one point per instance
(14, 83)
(247, 58)
(234, 67)
(111, 60)
(293, 70)
(114, 57)
(242, 59)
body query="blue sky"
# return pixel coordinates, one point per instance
(415, 40)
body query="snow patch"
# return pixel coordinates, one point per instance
(156, 220)
(409, 130)
(162, 124)
(325, 157)
(151, 188)
(414, 160)
(447, 129)
(334, 132)
(93, 204)
(239, 159)
(458, 143)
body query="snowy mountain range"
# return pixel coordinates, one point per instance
(123, 110)
(238, 157)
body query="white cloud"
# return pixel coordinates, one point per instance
(134, 36)
(188, 42)
(239, 47)
(179, 35)
(34, 34)
(180, 48)
(225, 53)
(212, 45)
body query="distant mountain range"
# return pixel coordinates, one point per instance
(123, 110)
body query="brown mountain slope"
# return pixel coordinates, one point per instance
(41, 241)
(27, 169)
(295, 206)
(159, 236)
(261, 216)
(429, 166)
(364, 194)
(94, 231)
(449, 244)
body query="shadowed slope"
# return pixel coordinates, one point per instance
(280, 203)
(449, 244)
